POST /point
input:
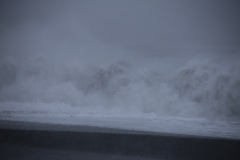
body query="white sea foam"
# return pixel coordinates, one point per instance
(63, 64)
(198, 89)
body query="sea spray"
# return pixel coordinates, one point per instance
(198, 89)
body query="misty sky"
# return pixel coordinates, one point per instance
(149, 26)
(167, 57)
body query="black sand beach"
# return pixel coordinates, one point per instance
(25, 140)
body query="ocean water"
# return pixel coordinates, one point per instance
(176, 86)
(64, 63)
(159, 58)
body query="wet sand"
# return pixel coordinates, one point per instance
(50, 141)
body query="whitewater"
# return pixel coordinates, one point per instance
(62, 73)
(197, 89)
(195, 97)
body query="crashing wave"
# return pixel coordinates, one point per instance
(198, 90)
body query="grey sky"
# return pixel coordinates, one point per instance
(165, 21)
(140, 25)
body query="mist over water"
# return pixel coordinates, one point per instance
(69, 61)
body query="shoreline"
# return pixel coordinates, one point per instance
(117, 142)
